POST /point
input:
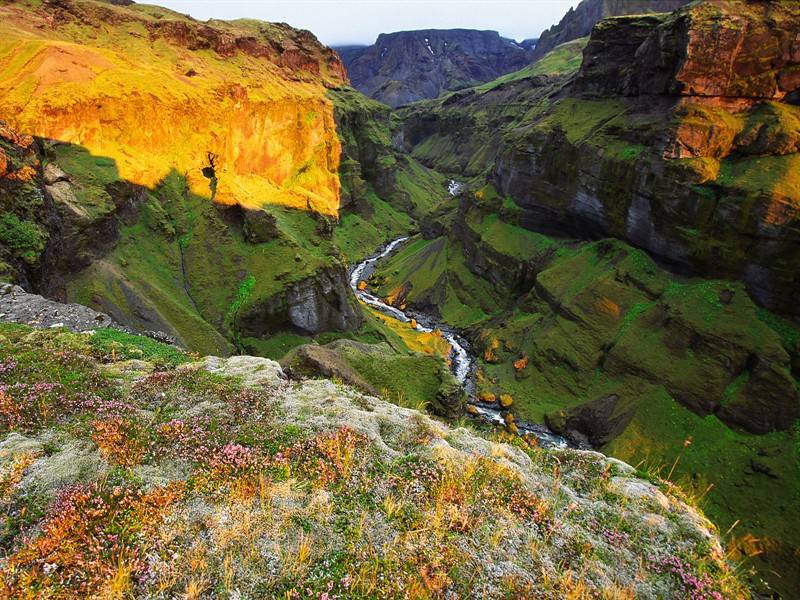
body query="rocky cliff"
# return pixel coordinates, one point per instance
(406, 66)
(139, 471)
(141, 116)
(240, 108)
(579, 21)
(658, 140)
(683, 151)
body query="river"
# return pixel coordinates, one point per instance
(462, 361)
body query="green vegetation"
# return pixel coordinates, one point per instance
(728, 471)
(123, 346)
(359, 236)
(604, 321)
(435, 274)
(24, 238)
(561, 60)
(275, 346)
(152, 462)
(423, 189)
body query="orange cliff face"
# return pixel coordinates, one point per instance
(157, 91)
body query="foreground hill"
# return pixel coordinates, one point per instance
(403, 67)
(129, 469)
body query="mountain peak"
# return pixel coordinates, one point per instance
(406, 66)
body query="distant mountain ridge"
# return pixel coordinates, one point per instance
(407, 66)
(578, 21)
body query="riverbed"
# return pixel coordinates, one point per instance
(462, 361)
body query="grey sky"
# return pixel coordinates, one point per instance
(360, 21)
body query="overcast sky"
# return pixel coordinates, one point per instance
(360, 21)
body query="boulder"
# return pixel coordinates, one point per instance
(251, 370)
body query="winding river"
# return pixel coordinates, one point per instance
(462, 362)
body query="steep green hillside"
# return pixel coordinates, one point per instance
(695, 164)
(462, 132)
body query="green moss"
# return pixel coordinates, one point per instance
(425, 190)
(275, 346)
(83, 166)
(125, 346)
(511, 240)
(582, 119)
(762, 174)
(718, 466)
(90, 176)
(358, 236)
(561, 60)
(23, 238)
(404, 380)
(788, 331)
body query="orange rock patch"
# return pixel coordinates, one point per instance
(487, 397)
(609, 307)
(521, 363)
(126, 97)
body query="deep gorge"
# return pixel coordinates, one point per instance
(465, 292)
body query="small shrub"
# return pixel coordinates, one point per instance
(24, 238)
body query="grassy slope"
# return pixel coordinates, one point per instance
(718, 466)
(116, 471)
(565, 58)
(476, 121)
(437, 276)
(182, 261)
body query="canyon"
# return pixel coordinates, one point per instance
(591, 242)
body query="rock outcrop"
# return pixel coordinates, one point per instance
(693, 161)
(368, 367)
(407, 66)
(579, 21)
(733, 54)
(321, 302)
(18, 306)
(30, 227)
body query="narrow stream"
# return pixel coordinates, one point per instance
(462, 362)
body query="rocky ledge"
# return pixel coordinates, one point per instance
(18, 306)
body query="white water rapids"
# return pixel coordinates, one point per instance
(462, 363)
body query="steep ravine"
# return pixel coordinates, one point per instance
(462, 361)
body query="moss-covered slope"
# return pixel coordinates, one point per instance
(610, 348)
(655, 140)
